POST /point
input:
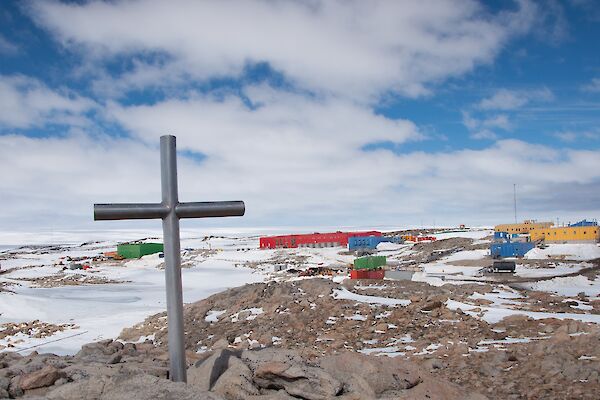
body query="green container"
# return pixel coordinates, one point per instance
(137, 250)
(371, 262)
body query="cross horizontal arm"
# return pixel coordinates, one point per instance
(104, 212)
(207, 209)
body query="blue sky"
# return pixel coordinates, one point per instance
(315, 113)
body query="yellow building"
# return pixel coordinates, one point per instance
(567, 234)
(524, 227)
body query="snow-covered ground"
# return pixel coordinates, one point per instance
(575, 251)
(476, 234)
(214, 264)
(568, 286)
(101, 311)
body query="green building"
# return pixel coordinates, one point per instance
(371, 262)
(137, 250)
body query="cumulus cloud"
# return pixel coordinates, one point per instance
(593, 86)
(295, 152)
(58, 179)
(351, 48)
(505, 99)
(27, 102)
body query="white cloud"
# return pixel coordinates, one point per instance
(593, 86)
(26, 102)
(354, 48)
(56, 180)
(484, 134)
(505, 99)
(6, 47)
(498, 121)
(292, 157)
(572, 136)
(481, 129)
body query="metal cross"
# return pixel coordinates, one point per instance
(170, 210)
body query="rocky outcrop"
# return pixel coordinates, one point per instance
(275, 373)
(224, 374)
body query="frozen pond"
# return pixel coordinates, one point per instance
(101, 311)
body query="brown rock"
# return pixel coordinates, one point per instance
(298, 380)
(42, 378)
(431, 305)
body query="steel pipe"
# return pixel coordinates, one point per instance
(206, 209)
(106, 212)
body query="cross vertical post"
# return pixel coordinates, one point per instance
(170, 211)
(172, 251)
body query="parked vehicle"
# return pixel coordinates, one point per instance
(503, 266)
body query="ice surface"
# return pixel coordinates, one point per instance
(102, 311)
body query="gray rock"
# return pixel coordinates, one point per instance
(4, 382)
(433, 363)
(206, 372)
(14, 389)
(236, 382)
(140, 387)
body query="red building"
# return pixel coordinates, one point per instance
(311, 240)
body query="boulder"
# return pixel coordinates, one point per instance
(297, 380)
(236, 382)
(431, 305)
(41, 378)
(206, 372)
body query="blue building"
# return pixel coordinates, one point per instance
(510, 249)
(369, 242)
(585, 222)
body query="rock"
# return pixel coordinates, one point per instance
(139, 387)
(96, 352)
(205, 373)
(114, 359)
(431, 305)
(297, 380)
(42, 378)
(381, 327)
(14, 389)
(236, 382)
(4, 382)
(129, 349)
(60, 381)
(371, 376)
(515, 320)
(433, 363)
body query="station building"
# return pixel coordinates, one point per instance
(561, 234)
(524, 227)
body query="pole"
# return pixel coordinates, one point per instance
(168, 167)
